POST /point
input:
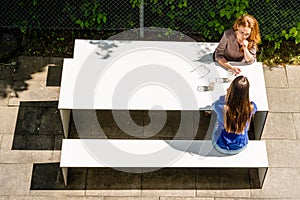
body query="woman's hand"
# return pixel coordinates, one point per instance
(227, 65)
(244, 44)
(235, 70)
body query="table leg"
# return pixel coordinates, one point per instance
(260, 118)
(65, 118)
(65, 174)
(262, 172)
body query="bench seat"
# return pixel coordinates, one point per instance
(159, 153)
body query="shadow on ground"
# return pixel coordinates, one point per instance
(49, 177)
(39, 126)
(15, 73)
(54, 75)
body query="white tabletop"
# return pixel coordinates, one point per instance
(144, 75)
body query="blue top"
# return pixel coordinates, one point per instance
(225, 140)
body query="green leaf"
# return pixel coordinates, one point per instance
(293, 30)
(228, 15)
(212, 14)
(98, 20)
(81, 24)
(210, 24)
(104, 19)
(286, 36)
(222, 12)
(222, 28)
(78, 21)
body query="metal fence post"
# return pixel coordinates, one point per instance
(142, 19)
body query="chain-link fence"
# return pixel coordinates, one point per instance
(189, 16)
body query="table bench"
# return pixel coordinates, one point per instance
(148, 154)
(106, 59)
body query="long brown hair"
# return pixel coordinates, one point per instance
(249, 21)
(237, 109)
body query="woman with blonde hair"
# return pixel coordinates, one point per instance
(239, 43)
(234, 111)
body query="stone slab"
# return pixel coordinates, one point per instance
(6, 143)
(283, 100)
(279, 183)
(293, 74)
(283, 153)
(54, 75)
(17, 156)
(15, 179)
(131, 198)
(32, 67)
(5, 91)
(32, 197)
(186, 198)
(8, 118)
(111, 179)
(169, 125)
(117, 124)
(56, 61)
(56, 194)
(239, 194)
(229, 198)
(275, 77)
(113, 192)
(84, 198)
(170, 180)
(33, 91)
(171, 193)
(223, 182)
(56, 156)
(296, 117)
(274, 128)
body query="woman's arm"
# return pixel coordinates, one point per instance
(219, 55)
(249, 56)
(227, 65)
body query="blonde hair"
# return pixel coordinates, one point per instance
(237, 110)
(249, 21)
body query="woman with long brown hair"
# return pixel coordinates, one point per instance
(239, 43)
(234, 111)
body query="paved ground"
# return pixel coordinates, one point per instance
(31, 134)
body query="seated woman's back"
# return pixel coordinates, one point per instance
(234, 112)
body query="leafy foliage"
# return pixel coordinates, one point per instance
(92, 16)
